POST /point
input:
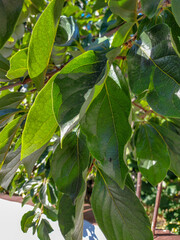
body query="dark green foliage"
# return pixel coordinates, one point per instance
(85, 88)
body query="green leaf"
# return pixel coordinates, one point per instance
(5, 114)
(9, 13)
(42, 193)
(150, 7)
(122, 34)
(6, 136)
(4, 67)
(107, 128)
(40, 124)
(67, 31)
(72, 87)
(152, 154)
(118, 212)
(70, 217)
(51, 213)
(43, 37)
(9, 168)
(51, 194)
(30, 160)
(71, 161)
(44, 229)
(26, 221)
(175, 30)
(38, 4)
(172, 140)
(99, 4)
(18, 64)
(11, 100)
(126, 9)
(153, 64)
(175, 8)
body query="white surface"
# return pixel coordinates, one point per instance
(10, 229)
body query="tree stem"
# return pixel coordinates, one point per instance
(158, 199)
(138, 187)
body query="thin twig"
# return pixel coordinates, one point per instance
(27, 80)
(139, 106)
(139, 183)
(158, 199)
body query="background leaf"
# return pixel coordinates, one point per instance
(4, 67)
(121, 35)
(153, 64)
(44, 229)
(175, 8)
(6, 136)
(150, 7)
(70, 217)
(152, 154)
(71, 161)
(172, 139)
(9, 13)
(26, 221)
(43, 37)
(9, 168)
(126, 9)
(18, 64)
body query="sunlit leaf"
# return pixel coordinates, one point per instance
(40, 124)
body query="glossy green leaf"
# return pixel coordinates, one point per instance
(99, 4)
(38, 4)
(118, 212)
(67, 31)
(175, 30)
(152, 154)
(154, 64)
(18, 64)
(42, 193)
(72, 87)
(175, 8)
(44, 229)
(70, 217)
(71, 161)
(40, 124)
(43, 37)
(107, 128)
(5, 114)
(172, 139)
(9, 13)
(126, 9)
(30, 160)
(150, 7)
(11, 100)
(51, 213)
(6, 136)
(9, 168)
(26, 221)
(122, 34)
(51, 194)
(4, 67)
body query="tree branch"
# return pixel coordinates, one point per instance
(28, 80)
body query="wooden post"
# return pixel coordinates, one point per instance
(156, 207)
(138, 187)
